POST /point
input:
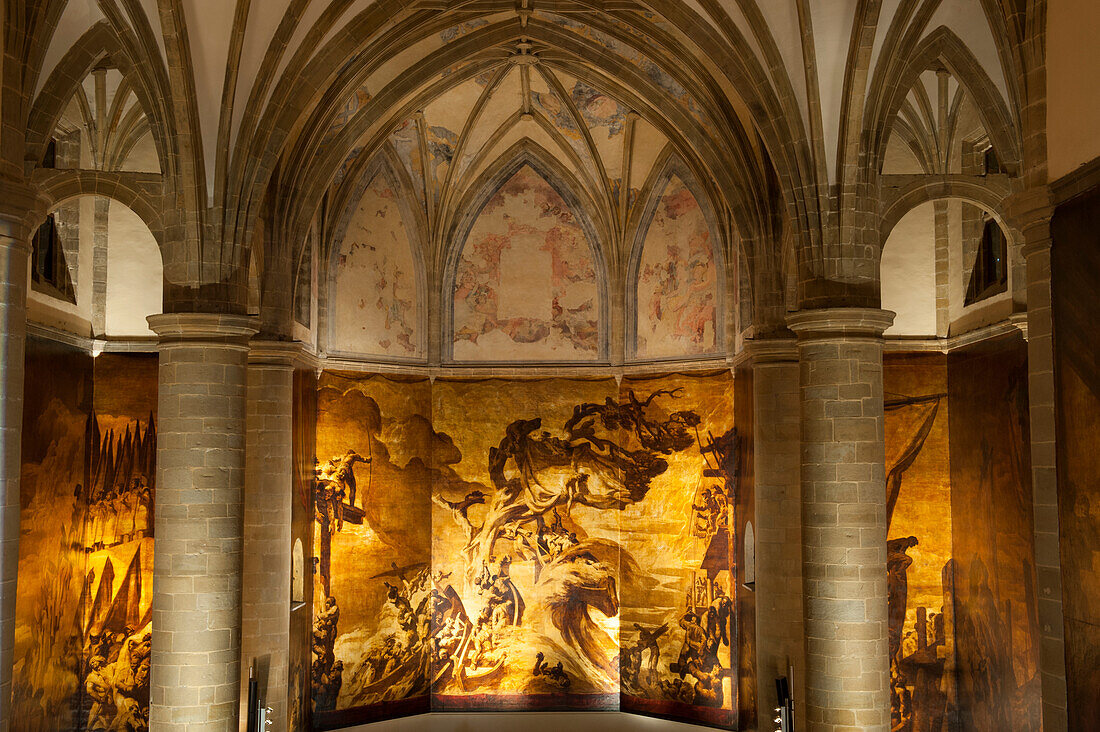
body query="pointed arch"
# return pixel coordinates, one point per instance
(662, 184)
(942, 46)
(592, 345)
(387, 261)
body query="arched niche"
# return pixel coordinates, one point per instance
(298, 573)
(931, 246)
(113, 264)
(675, 305)
(135, 274)
(526, 282)
(376, 273)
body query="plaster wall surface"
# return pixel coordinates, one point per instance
(1073, 65)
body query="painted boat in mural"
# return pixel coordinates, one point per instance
(481, 675)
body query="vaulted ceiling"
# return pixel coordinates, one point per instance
(782, 109)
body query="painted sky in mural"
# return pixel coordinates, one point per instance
(525, 285)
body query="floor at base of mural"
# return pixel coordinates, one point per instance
(528, 722)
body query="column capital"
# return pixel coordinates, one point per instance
(280, 354)
(20, 206)
(215, 328)
(830, 323)
(1030, 211)
(766, 351)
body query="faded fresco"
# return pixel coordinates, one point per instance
(1075, 271)
(525, 285)
(376, 309)
(678, 630)
(86, 546)
(920, 569)
(677, 279)
(996, 627)
(372, 543)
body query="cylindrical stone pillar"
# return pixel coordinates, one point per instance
(196, 653)
(268, 502)
(14, 264)
(780, 645)
(844, 518)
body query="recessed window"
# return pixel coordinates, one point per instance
(49, 273)
(990, 274)
(991, 162)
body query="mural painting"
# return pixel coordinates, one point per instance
(996, 627)
(301, 530)
(525, 543)
(679, 630)
(744, 550)
(371, 496)
(677, 279)
(920, 570)
(86, 547)
(490, 540)
(375, 308)
(525, 286)
(1075, 270)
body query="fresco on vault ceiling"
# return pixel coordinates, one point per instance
(648, 68)
(375, 306)
(525, 285)
(406, 143)
(677, 279)
(606, 122)
(83, 606)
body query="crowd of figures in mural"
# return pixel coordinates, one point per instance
(83, 617)
(519, 595)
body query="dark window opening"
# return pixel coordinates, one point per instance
(992, 162)
(49, 160)
(990, 274)
(49, 273)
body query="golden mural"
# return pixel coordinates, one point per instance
(84, 601)
(504, 544)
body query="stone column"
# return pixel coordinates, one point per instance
(777, 466)
(14, 266)
(1031, 212)
(268, 494)
(844, 518)
(196, 652)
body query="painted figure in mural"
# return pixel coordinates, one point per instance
(461, 509)
(554, 675)
(897, 565)
(647, 643)
(719, 616)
